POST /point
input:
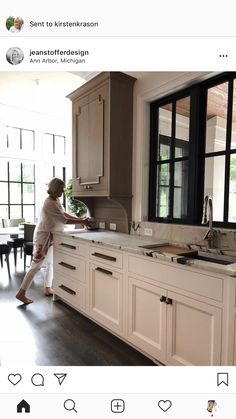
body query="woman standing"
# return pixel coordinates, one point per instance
(52, 218)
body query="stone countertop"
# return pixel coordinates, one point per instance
(132, 243)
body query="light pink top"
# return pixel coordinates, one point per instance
(52, 216)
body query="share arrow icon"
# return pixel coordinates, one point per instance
(61, 378)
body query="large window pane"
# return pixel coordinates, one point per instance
(15, 211)
(214, 184)
(180, 189)
(28, 193)
(164, 147)
(217, 105)
(59, 145)
(28, 172)
(232, 190)
(13, 138)
(15, 193)
(28, 213)
(48, 144)
(27, 140)
(182, 127)
(4, 169)
(164, 132)
(15, 171)
(162, 209)
(3, 212)
(3, 193)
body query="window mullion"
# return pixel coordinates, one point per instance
(172, 167)
(228, 149)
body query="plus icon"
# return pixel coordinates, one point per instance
(117, 405)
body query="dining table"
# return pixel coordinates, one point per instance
(8, 231)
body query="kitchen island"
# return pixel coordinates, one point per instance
(174, 313)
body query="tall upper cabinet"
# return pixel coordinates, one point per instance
(102, 136)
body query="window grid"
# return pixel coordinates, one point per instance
(197, 153)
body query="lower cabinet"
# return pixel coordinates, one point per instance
(105, 296)
(174, 329)
(194, 331)
(147, 318)
(172, 314)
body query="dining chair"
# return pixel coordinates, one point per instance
(14, 242)
(5, 250)
(28, 241)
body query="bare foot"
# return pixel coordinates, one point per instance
(22, 297)
(48, 291)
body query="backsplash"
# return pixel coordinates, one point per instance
(185, 234)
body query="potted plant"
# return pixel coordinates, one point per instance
(74, 206)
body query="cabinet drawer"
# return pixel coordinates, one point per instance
(69, 290)
(107, 256)
(197, 283)
(70, 266)
(70, 245)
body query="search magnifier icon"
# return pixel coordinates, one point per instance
(69, 405)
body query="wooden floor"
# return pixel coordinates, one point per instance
(50, 333)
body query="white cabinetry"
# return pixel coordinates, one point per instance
(106, 288)
(176, 328)
(174, 314)
(70, 279)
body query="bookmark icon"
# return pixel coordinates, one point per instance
(61, 378)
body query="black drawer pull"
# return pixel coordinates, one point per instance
(169, 301)
(70, 246)
(162, 299)
(102, 256)
(104, 271)
(67, 265)
(64, 288)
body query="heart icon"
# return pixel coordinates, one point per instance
(14, 378)
(164, 405)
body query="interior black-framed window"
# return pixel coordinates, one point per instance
(17, 189)
(169, 159)
(206, 163)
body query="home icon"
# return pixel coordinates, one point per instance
(23, 406)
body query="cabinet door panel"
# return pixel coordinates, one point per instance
(90, 146)
(147, 317)
(193, 332)
(91, 141)
(106, 297)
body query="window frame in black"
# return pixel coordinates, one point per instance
(22, 183)
(197, 154)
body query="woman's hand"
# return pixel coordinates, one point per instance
(85, 222)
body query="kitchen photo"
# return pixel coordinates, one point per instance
(118, 218)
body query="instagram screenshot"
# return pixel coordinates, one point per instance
(117, 211)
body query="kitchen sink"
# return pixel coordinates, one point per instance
(188, 254)
(212, 257)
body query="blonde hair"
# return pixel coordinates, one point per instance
(54, 186)
(19, 19)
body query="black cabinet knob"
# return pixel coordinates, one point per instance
(169, 301)
(162, 299)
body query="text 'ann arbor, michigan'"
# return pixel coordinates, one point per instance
(58, 56)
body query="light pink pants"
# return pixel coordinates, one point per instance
(46, 264)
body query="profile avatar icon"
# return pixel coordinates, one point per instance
(14, 25)
(211, 407)
(14, 55)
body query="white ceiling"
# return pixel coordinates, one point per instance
(40, 92)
